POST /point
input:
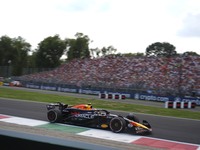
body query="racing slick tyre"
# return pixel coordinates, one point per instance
(54, 115)
(132, 117)
(117, 124)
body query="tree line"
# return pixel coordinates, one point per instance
(15, 52)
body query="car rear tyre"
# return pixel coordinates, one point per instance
(117, 124)
(54, 115)
(132, 117)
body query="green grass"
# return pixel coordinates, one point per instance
(52, 98)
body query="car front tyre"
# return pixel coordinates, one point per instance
(117, 124)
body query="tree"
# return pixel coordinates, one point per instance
(94, 51)
(190, 53)
(6, 50)
(160, 49)
(104, 51)
(49, 52)
(133, 54)
(21, 48)
(14, 52)
(98, 51)
(118, 55)
(78, 47)
(108, 51)
(31, 60)
(71, 48)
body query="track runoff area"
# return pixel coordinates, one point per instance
(96, 133)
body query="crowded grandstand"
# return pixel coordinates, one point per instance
(154, 75)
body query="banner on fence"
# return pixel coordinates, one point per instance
(137, 96)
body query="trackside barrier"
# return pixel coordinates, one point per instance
(184, 105)
(191, 104)
(116, 96)
(109, 96)
(137, 96)
(122, 96)
(112, 96)
(170, 104)
(102, 95)
(177, 104)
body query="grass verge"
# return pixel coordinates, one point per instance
(51, 98)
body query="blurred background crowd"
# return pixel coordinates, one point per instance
(153, 75)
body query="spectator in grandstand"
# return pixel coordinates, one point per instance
(151, 74)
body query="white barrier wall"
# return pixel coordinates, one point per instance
(112, 96)
(170, 104)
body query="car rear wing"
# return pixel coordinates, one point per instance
(54, 105)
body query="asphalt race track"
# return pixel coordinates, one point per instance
(169, 128)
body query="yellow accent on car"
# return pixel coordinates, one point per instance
(138, 125)
(104, 126)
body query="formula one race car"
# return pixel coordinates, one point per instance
(85, 115)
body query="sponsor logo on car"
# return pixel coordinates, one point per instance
(130, 125)
(75, 113)
(85, 116)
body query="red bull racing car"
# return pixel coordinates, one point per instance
(85, 115)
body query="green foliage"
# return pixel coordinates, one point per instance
(160, 49)
(78, 47)
(105, 51)
(14, 52)
(108, 50)
(52, 98)
(118, 55)
(191, 53)
(93, 51)
(21, 49)
(70, 52)
(49, 52)
(6, 50)
(133, 55)
(31, 60)
(96, 51)
(129, 55)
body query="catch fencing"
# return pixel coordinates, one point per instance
(134, 88)
(5, 71)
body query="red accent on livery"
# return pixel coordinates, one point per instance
(75, 113)
(86, 107)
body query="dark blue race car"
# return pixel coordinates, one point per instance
(85, 115)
